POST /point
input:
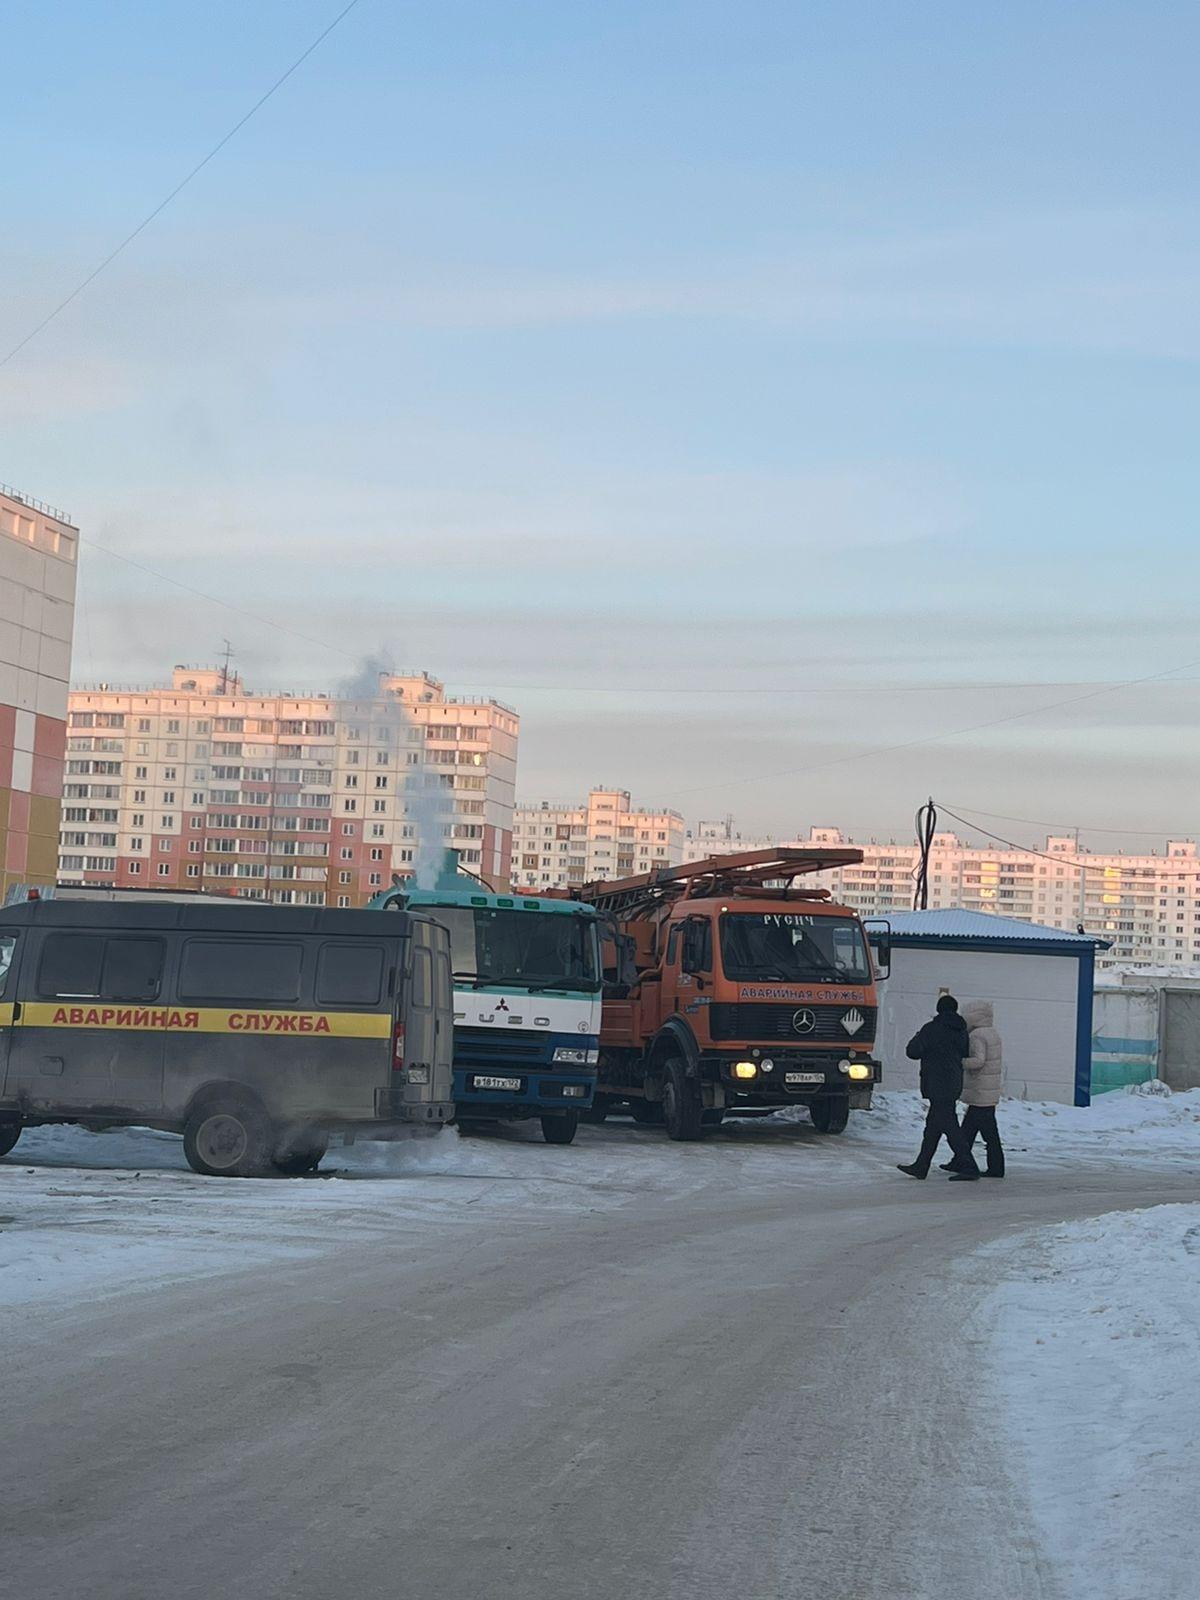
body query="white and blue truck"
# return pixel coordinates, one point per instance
(527, 995)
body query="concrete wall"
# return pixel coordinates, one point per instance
(1035, 997)
(1124, 1038)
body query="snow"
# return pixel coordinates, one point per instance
(1145, 1124)
(1095, 1347)
(95, 1214)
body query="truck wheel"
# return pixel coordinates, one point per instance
(830, 1113)
(302, 1152)
(229, 1138)
(560, 1128)
(649, 1112)
(682, 1111)
(10, 1132)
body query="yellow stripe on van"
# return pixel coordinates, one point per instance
(6, 1013)
(182, 1019)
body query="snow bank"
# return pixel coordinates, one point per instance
(1095, 1348)
(1143, 1124)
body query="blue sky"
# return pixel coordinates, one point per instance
(620, 357)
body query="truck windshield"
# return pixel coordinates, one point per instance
(525, 949)
(793, 946)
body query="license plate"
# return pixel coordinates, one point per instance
(804, 1077)
(495, 1083)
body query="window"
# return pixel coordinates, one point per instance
(193, 870)
(164, 869)
(79, 965)
(350, 974)
(240, 969)
(344, 877)
(135, 868)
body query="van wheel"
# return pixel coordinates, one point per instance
(10, 1132)
(830, 1113)
(561, 1128)
(229, 1138)
(301, 1153)
(682, 1110)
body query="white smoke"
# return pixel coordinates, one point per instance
(428, 800)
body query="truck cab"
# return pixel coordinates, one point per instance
(741, 993)
(527, 998)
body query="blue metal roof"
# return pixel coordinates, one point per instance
(959, 924)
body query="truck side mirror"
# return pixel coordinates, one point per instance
(879, 942)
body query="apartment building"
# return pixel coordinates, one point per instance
(1148, 906)
(298, 799)
(565, 845)
(722, 838)
(38, 553)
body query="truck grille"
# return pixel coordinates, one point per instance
(750, 1020)
(482, 1047)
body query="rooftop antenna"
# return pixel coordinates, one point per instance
(225, 667)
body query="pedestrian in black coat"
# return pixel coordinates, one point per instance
(940, 1047)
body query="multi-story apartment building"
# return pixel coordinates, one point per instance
(38, 552)
(1147, 906)
(721, 838)
(304, 799)
(565, 845)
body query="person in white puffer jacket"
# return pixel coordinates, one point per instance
(983, 1079)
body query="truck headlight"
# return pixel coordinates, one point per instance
(571, 1055)
(745, 1069)
(577, 1090)
(858, 1070)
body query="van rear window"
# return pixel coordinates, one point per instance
(242, 969)
(349, 975)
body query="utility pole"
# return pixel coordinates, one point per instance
(225, 668)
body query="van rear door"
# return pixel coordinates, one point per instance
(426, 1008)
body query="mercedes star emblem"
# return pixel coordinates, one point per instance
(804, 1020)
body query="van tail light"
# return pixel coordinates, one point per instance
(398, 1047)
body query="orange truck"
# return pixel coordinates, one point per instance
(730, 991)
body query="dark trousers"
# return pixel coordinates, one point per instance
(982, 1119)
(942, 1122)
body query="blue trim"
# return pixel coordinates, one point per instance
(488, 1050)
(1079, 948)
(1105, 1045)
(1083, 1028)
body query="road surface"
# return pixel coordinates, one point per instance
(742, 1390)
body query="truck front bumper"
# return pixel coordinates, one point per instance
(510, 1093)
(792, 1077)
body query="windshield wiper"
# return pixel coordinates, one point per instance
(477, 977)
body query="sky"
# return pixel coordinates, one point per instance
(761, 399)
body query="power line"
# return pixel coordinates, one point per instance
(215, 600)
(1083, 863)
(1071, 827)
(936, 738)
(179, 187)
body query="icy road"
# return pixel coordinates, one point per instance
(761, 1367)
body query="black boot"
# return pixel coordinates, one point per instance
(913, 1171)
